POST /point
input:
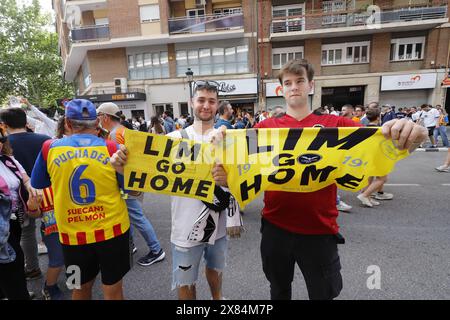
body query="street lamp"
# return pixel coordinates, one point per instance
(190, 78)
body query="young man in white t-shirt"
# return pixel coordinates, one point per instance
(430, 117)
(188, 246)
(192, 235)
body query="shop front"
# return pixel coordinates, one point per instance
(338, 96)
(241, 93)
(407, 90)
(132, 104)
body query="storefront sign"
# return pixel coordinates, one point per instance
(446, 82)
(274, 89)
(238, 86)
(408, 82)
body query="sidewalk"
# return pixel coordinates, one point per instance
(439, 144)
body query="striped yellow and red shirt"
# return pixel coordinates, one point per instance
(88, 204)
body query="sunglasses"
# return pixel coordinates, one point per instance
(208, 85)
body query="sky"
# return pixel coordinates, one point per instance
(46, 5)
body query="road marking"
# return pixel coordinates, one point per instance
(402, 184)
(446, 184)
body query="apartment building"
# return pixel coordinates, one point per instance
(391, 51)
(140, 53)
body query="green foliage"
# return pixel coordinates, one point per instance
(30, 65)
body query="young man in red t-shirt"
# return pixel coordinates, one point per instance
(301, 227)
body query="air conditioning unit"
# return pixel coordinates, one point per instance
(120, 85)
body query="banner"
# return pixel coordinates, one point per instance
(171, 166)
(256, 160)
(304, 160)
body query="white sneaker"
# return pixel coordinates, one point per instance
(374, 202)
(364, 200)
(443, 168)
(384, 196)
(42, 249)
(342, 206)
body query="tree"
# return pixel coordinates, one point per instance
(29, 62)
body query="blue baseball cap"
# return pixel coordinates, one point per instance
(80, 109)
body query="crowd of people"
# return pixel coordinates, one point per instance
(72, 181)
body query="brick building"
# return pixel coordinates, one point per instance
(391, 51)
(137, 52)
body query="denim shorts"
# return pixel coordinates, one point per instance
(186, 261)
(55, 254)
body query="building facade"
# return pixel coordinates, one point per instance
(137, 52)
(392, 51)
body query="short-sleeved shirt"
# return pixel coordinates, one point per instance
(87, 199)
(13, 182)
(304, 212)
(222, 122)
(26, 147)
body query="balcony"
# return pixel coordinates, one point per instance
(206, 23)
(356, 22)
(89, 33)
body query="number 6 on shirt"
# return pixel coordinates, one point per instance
(76, 186)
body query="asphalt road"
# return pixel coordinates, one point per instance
(408, 238)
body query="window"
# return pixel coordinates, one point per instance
(149, 13)
(101, 21)
(208, 61)
(404, 49)
(345, 53)
(288, 18)
(87, 80)
(282, 55)
(333, 6)
(225, 11)
(148, 65)
(161, 107)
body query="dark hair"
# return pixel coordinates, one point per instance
(168, 113)
(15, 118)
(6, 149)
(361, 107)
(297, 67)
(223, 106)
(155, 123)
(319, 111)
(61, 128)
(208, 85)
(372, 114)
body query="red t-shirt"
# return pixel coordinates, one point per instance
(304, 212)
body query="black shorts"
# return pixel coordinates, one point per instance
(111, 257)
(430, 131)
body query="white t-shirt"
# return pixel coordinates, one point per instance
(430, 118)
(415, 116)
(188, 213)
(12, 181)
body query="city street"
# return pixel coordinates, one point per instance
(407, 238)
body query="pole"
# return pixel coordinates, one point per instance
(190, 98)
